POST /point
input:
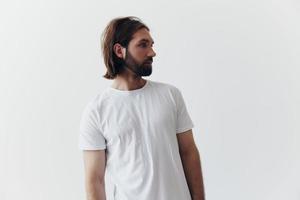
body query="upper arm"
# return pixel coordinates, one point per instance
(183, 119)
(94, 164)
(186, 142)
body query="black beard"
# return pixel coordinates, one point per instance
(130, 63)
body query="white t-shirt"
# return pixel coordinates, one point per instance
(138, 130)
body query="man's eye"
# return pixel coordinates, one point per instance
(143, 45)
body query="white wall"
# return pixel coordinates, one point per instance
(236, 62)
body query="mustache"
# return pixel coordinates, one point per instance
(149, 60)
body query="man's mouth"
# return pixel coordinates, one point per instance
(148, 62)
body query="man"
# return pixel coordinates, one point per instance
(137, 132)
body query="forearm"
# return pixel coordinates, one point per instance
(193, 173)
(95, 190)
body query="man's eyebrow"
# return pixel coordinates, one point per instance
(146, 40)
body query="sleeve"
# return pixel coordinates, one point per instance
(90, 134)
(184, 121)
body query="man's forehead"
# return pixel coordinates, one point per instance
(142, 35)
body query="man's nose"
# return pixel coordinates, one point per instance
(152, 53)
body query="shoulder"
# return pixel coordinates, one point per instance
(96, 101)
(166, 86)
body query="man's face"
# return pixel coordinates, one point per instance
(139, 53)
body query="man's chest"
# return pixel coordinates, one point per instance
(130, 120)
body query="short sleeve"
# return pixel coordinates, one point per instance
(184, 121)
(90, 134)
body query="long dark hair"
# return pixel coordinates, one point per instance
(119, 30)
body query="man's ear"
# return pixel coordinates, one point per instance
(119, 50)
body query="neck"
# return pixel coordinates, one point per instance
(127, 81)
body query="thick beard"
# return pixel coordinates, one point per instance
(138, 69)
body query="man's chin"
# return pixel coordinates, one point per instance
(143, 70)
(147, 72)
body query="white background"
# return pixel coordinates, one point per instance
(236, 63)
